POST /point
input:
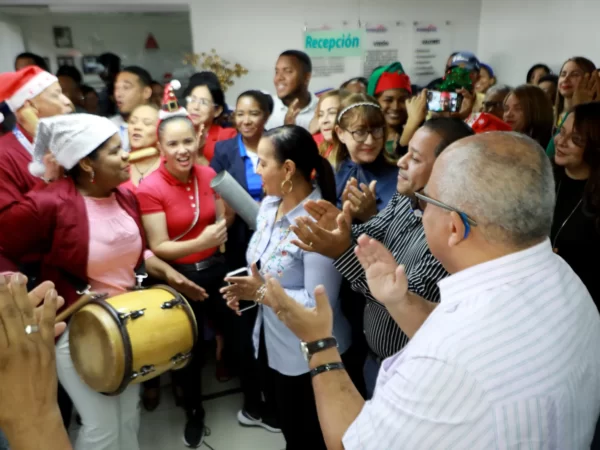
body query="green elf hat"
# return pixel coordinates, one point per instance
(388, 77)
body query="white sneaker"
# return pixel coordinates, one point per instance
(247, 420)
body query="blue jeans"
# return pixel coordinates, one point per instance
(371, 370)
(3, 442)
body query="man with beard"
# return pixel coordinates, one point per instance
(294, 104)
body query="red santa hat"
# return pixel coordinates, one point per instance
(484, 122)
(170, 106)
(18, 87)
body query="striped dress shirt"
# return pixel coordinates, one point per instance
(402, 233)
(508, 360)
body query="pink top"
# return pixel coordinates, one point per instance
(115, 246)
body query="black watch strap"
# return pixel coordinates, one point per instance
(326, 368)
(320, 345)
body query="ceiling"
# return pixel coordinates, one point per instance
(96, 8)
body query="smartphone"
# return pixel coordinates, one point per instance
(444, 101)
(245, 305)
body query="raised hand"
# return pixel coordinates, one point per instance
(324, 213)
(201, 136)
(588, 89)
(363, 201)
(416, 107)
(313, 238)
(386, 279)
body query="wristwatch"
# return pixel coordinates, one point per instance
(310, 348)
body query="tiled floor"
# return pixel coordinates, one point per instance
(162, 429)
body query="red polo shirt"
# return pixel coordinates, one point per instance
(214, 135)
(162, 192)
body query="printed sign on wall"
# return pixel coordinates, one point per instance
(333, 43)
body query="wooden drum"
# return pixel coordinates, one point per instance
(131, 338)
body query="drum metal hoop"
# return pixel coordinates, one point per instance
(128, 351)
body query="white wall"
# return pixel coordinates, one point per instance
(124, 34)
(11, 43)
(515, 34)
(255, 33)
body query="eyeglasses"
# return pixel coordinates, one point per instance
(198, 101)
(420, 203)
(360, 136)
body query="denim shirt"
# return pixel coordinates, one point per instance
(299, 273)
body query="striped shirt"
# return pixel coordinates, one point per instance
(509, 359)
(402, 233)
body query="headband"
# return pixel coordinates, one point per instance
(355, 105)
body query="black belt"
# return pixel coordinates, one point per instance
(200, 265)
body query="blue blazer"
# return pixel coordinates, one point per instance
(227, 157)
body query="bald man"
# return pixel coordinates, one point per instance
(509, 356)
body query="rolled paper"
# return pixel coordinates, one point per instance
(236, 197)
(138, 155)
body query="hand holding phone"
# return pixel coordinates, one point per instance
(239, 306)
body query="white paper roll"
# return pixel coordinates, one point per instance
(236, 197)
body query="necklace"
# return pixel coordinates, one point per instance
(143, 174)
(566, 220)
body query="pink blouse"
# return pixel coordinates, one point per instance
(115, 246)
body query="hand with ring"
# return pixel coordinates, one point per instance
(28, 392)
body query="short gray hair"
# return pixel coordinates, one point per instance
(499, 89)
(505, 182)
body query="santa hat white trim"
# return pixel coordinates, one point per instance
(31, 89)
(181, 112)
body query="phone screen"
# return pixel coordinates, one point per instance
(444, 101)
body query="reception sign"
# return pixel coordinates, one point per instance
(334, 43)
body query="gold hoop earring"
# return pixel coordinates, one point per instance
(283, 187)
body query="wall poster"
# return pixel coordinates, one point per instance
(431, 47)
(384, 43)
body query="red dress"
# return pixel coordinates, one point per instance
(216, 134)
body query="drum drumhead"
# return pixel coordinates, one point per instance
(97, 348)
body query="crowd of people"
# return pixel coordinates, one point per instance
(413, 279)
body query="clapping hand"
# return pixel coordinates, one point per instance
(386, 279)
(313, 238)
(324, 213)
(363, 200)
(308, 324)
(292, 113)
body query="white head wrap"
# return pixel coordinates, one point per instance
(70, 138)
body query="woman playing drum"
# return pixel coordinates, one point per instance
(89, 233)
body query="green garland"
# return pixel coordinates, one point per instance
(456, 78)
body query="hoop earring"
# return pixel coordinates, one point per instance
(93, 177)
(283, 187)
